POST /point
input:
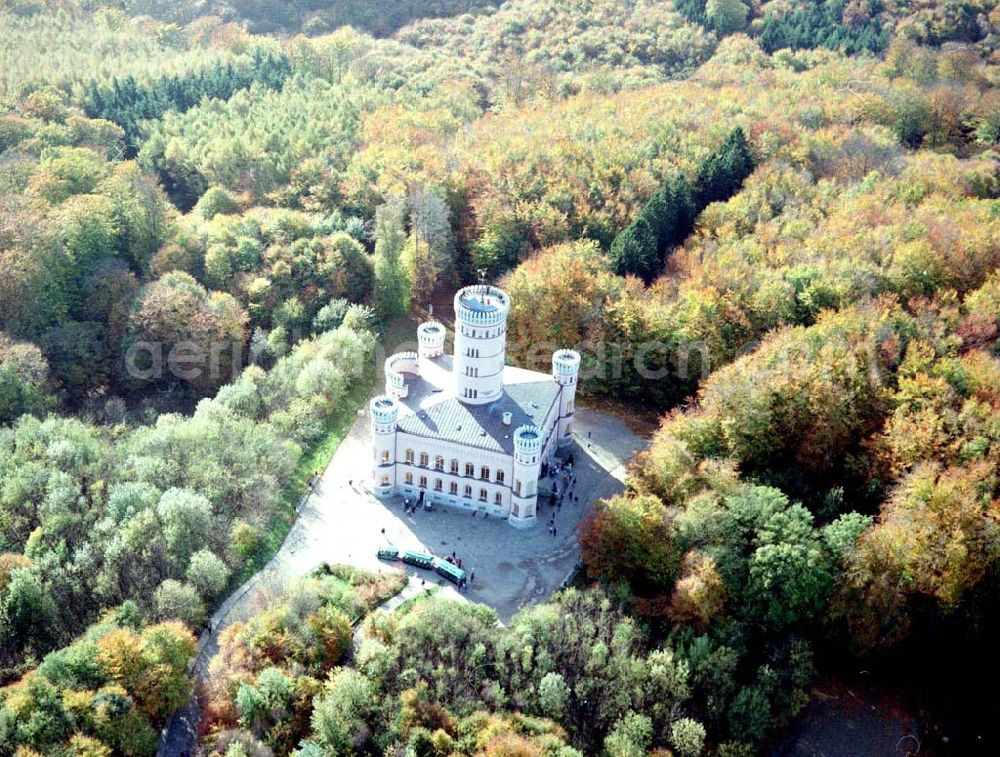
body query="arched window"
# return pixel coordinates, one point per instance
(498, 498)
(484, 473)
(409, 479)
(439, 463)
(438, 485)
(409, 456)
(453, 487)
(483, 495)
(423, 459)
(499, 476)
(423, 482)
(454, 467)
(468, 491)
(385, 457)
(470, 469)
(517, 487)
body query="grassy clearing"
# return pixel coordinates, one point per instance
(358, 592)
(417, 599)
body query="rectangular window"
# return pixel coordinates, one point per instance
(438, 486)
(468, 491)
(385, 480)
(438, 463)
(499, 476)
(517, 487)
(483, 494)
(484, 473)
(409, 479)
(498, 498)
(409, 456)
(454, 467)
(423, 459)
(423, 482)
(453, 488)
(385, 457)
(470, 469)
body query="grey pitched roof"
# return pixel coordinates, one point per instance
(482, 426)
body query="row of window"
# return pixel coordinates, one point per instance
(484, 495)
(471, 371)
(467, 489)
(469, 471)
(486, 334)
(470, 393)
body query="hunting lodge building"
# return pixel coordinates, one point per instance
(466, 430)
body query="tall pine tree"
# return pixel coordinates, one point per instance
(635, 250)
(392, 283)
(664, 222)
(723, 172)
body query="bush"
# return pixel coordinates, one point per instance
(177, 601)
(208, 574)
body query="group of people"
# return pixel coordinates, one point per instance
(411, 506)
(564, 484)
(563, 487)
(455, 560)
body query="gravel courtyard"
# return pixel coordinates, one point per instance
(513, 568)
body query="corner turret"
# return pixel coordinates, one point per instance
(527, 465)
(566, 373)
(385, 416)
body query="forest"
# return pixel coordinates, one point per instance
(786, 213)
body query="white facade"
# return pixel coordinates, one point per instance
(467, 431)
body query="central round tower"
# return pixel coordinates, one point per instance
(480, 343)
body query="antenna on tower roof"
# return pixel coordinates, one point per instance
(482, 276)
